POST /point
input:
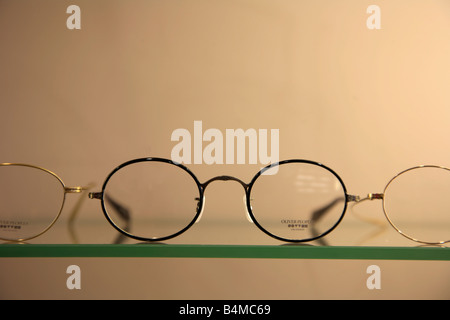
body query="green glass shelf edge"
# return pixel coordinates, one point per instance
(221, 251)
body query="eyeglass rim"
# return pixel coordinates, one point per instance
(321, 165)
(64, 188)
(152, 159)
(385, 211)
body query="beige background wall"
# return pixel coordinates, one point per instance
(367, 103)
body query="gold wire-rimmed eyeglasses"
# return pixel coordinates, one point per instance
(31, 200)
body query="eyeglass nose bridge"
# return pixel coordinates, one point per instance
(225, 178)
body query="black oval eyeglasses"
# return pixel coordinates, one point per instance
(155, 199)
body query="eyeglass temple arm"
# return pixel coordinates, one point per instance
(76, 209)
(123, 213)
(319, 213)
(374, 221)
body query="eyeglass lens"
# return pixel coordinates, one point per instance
(299, 202)
(158, 199)
(30, 201)
(417, 204)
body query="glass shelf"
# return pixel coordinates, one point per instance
(223, 251)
